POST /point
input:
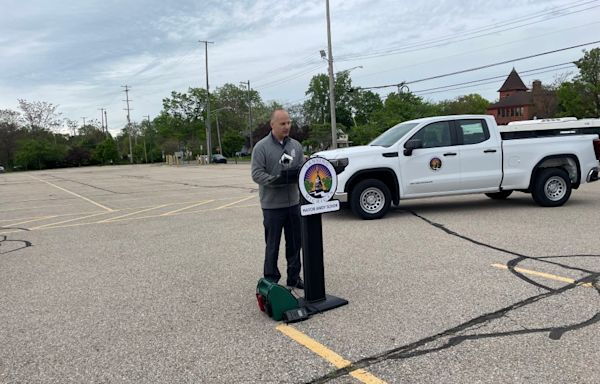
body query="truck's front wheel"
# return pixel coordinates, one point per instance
(552, 187)
(370, 199)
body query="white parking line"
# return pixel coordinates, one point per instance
(133, 213)
(73, 193)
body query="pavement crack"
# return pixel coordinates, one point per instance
(452, 337)
(463, 332)
(86, 184)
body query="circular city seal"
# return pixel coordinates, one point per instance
(317, 180)
(435, 163)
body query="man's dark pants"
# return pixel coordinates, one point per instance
(274, 220)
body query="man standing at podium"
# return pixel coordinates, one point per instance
(276, 160)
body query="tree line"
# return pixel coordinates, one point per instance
(30, 138)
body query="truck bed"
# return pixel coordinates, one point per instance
(549, 127)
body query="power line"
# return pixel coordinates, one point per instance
(432, 43)
(502, 24)
(387, 51)
(455, 87)
(479, 50)
(568, 64)
(480, 67)
(288, 78)
(427, 43)
(308, 60)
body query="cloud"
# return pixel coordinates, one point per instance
(79, 54)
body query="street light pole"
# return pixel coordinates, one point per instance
(331, 82)
(218, 130)
(106, 123)
(208, 144)
(218, 133)
(249, 113)
(145, 132)
(102, 118)
(128, 122)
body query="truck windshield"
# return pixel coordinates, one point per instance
(393, 134)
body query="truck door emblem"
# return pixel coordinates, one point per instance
(435, 163)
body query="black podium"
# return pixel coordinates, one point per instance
(315, 299)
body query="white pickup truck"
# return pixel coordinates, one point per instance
(463, 154)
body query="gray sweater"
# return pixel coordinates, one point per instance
(266, 171)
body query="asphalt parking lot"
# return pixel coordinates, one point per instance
(147, 274)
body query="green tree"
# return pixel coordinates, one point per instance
(319, 137)
(78, 156)
(40, 115)
(399, 107)
(234, 105)
(11, 132)
(40, 154)
(11, 117)
(107, 152)
(317, 105)
(570, 100)
(467, 104)
(343, 99)
(581, 97)
(364, 104)
(232, 143)
(363, 134)
(182, 118)
(90, 135)
(589, 77)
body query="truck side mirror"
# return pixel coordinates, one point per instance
(411, 145)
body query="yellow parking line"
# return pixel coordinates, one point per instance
(115, 220)
(29, 221)
(235, 202)
(544, 275)
(327, 354)
(73, 193)
(67, 221)
(16, 231)
(188, 207)
(133, 213)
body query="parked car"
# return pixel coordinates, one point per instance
(219, 159)
(1, 169)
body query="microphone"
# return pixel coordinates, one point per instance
(285, 159)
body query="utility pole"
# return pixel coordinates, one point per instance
(128, 122)
(106, 123)
(208, 144)
(331, 81)
(249, 113)
(219, 136)
(102, 118)
(145, 131)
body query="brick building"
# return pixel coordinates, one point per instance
(517, 102)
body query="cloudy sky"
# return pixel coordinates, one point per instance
(79, 54)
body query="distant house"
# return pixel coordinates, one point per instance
(517, 102)
(342, 139)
